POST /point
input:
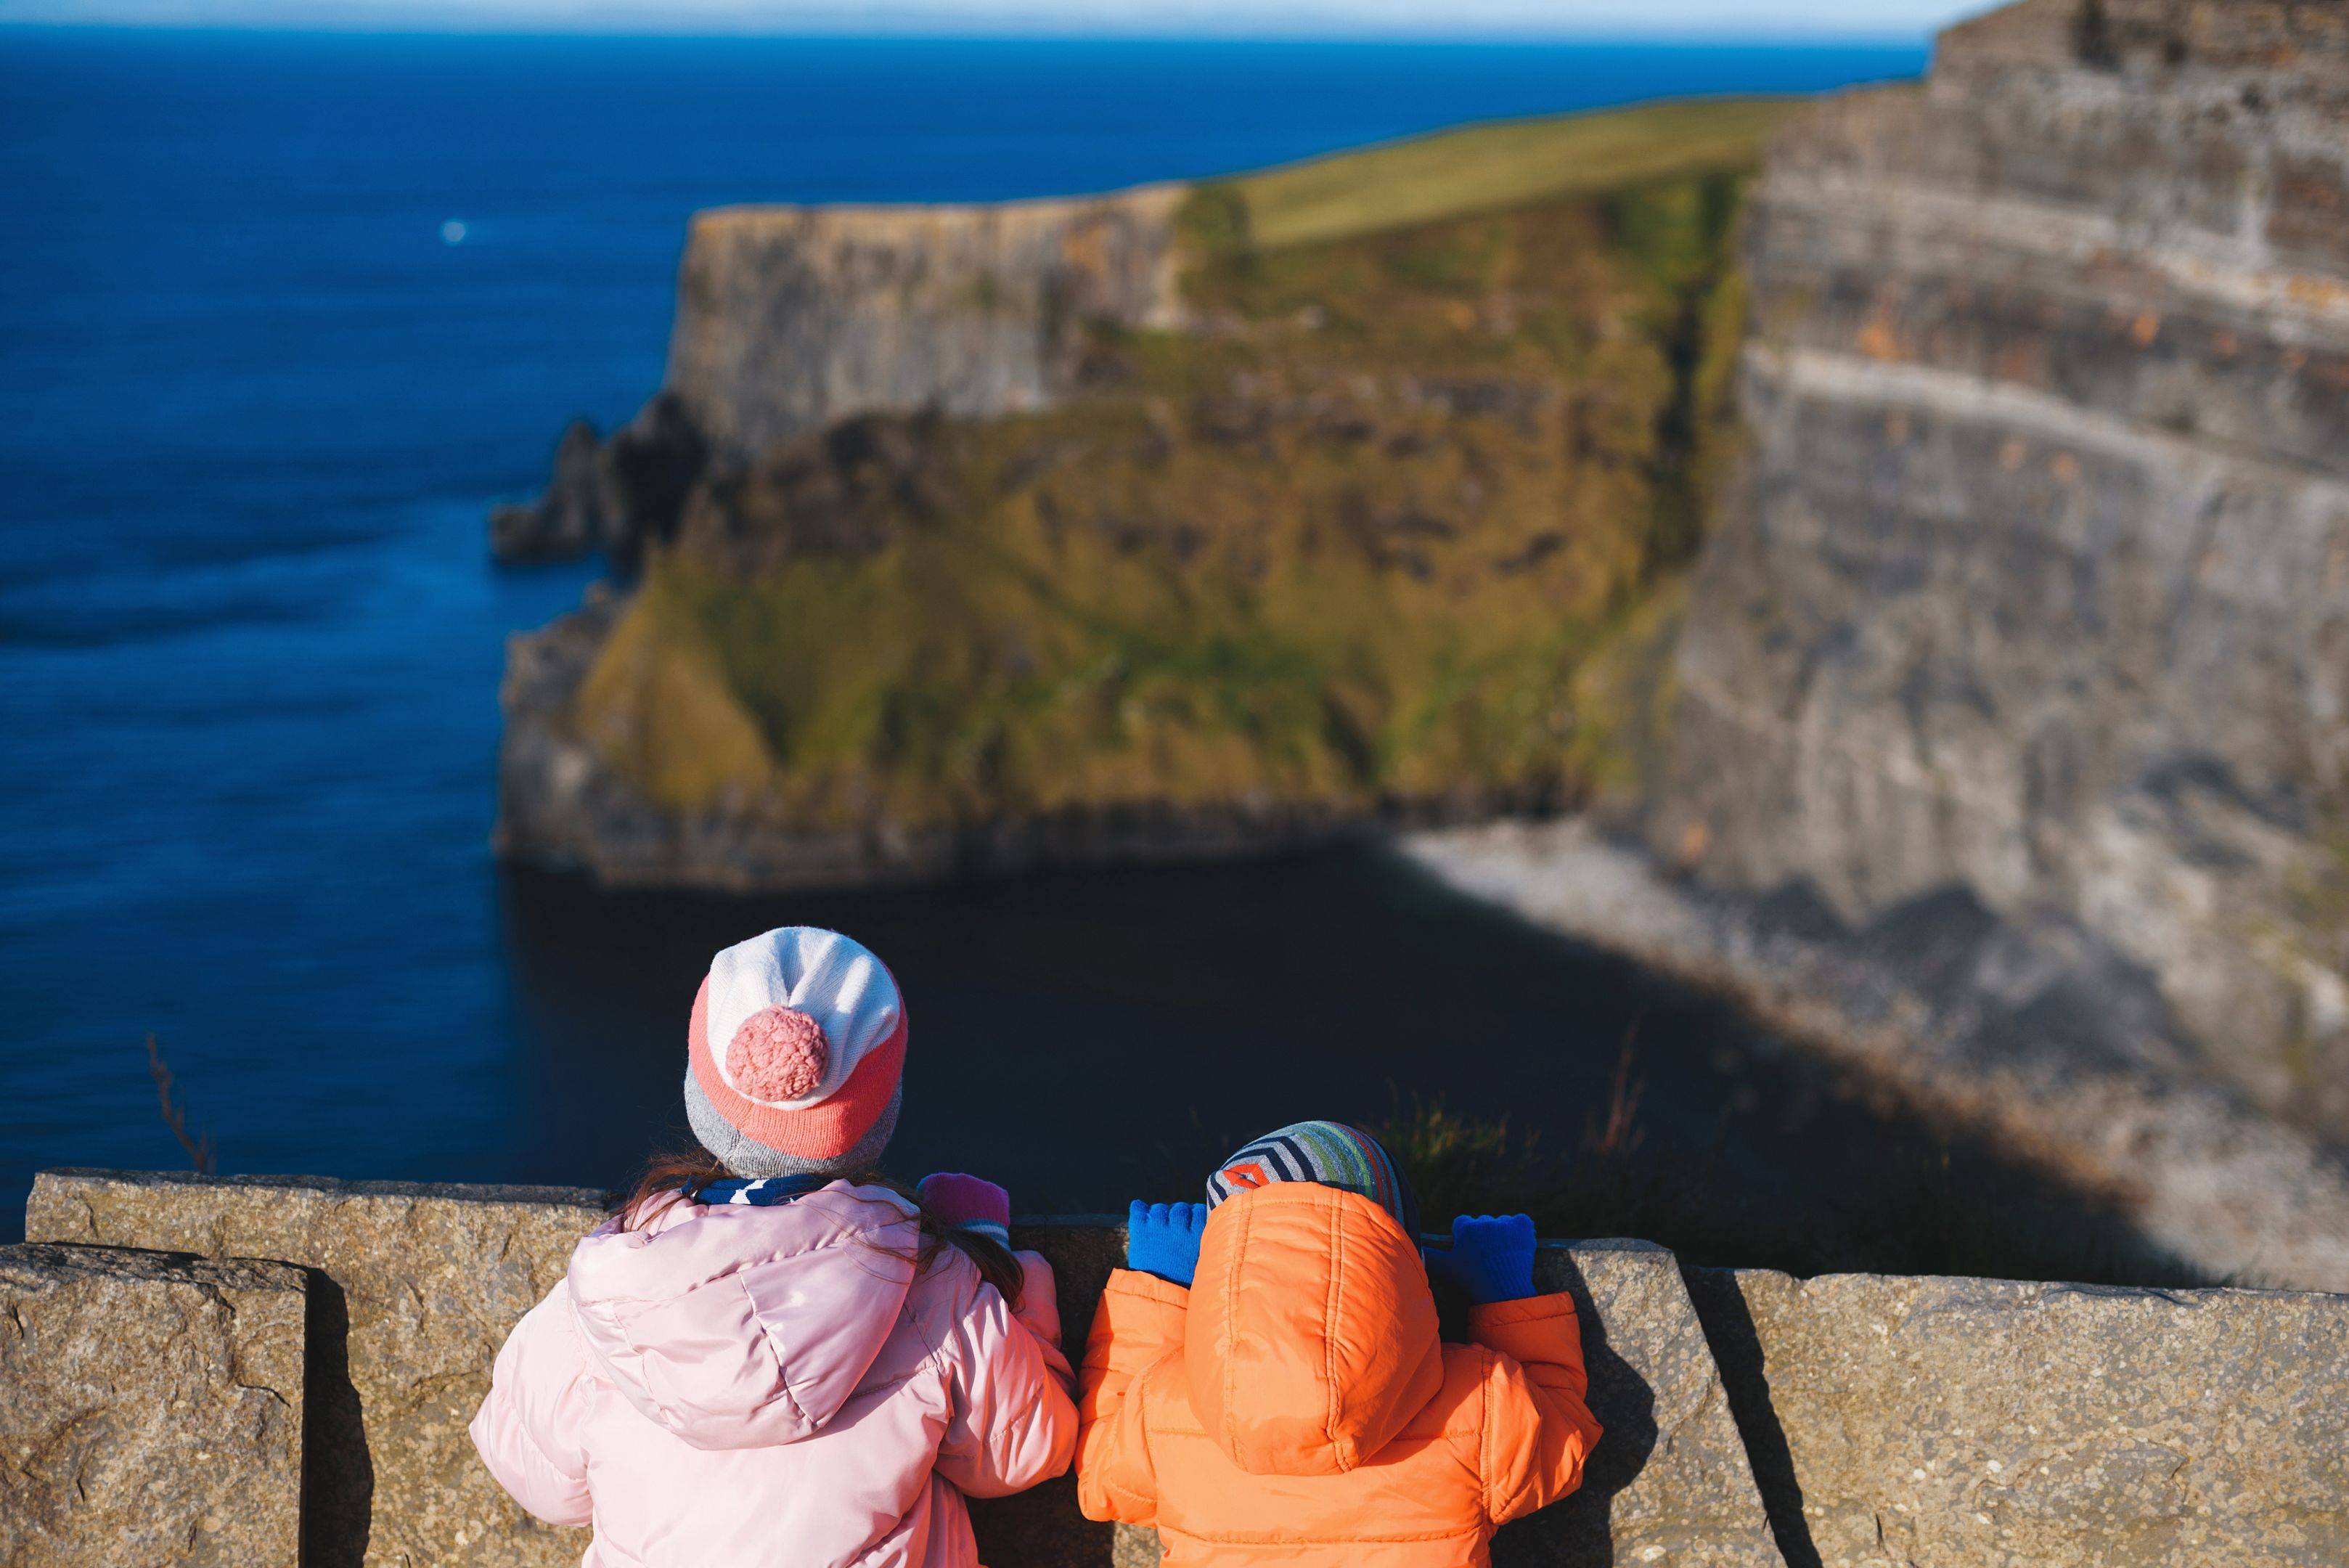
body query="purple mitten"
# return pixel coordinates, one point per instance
(967, 1203)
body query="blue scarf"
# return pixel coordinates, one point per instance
(760, 1192)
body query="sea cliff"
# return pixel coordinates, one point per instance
(1183, 521)
(2034, 586)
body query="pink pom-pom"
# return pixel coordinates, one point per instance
(779, 1054)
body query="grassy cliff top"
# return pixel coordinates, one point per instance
(1479, 167)
(1400, 519)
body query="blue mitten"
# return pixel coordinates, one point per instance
(1491, 1257)
(1163, 1238)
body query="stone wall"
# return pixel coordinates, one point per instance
(2036, 584)
(1751, 1418)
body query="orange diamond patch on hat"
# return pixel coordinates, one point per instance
(1245, 1176)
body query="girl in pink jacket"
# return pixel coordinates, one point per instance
(771, 1357)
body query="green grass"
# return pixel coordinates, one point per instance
(1481, 168)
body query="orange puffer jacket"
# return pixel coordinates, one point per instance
(1296, 1404)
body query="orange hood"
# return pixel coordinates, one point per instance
(1311, 1336)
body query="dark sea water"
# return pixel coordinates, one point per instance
(252, 408)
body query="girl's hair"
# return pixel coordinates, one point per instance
(671, 1176)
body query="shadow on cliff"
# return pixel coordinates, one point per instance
(1088, 1037)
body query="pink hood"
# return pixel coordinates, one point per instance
(736, 1326)
(753, 1386)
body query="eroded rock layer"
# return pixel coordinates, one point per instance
(791, 318)
(2038, 583)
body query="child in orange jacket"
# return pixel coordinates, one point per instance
(1264, 1382)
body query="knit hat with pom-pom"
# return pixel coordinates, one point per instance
(795, 1055)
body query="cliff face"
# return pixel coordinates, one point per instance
(2034, 584)
(791, 318)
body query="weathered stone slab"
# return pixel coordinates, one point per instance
(1998, 1424)
(415, 1288)
(151, 1409)
(1669, 1485)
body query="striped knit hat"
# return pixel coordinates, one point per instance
(1331, 1153)
(794, 1056)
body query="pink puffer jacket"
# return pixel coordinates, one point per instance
(738, 1387)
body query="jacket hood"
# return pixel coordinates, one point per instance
(737, 1325)
(1310, 1337)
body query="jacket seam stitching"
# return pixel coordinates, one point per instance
(1286, 1538)
(1136, 1392)
(522, 1430)
(1231, 1279)
(1485, 1443)
(1333, 1303)
(767, 1338)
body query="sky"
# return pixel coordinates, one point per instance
(1335, 18)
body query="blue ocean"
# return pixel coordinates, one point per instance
(282, 315)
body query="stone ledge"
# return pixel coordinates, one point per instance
(2012, 1425)
(337, 1187)
(415, 1286)
(1884, 1420)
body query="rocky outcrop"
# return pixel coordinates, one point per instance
(2031, 1425)
(791, 319)
(571, 518)
(615, 495)
(2034, 586)
(1295, 575)
(151, 1409)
